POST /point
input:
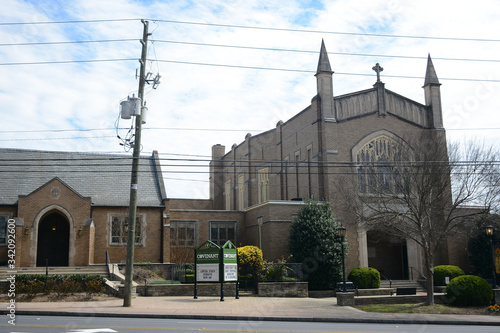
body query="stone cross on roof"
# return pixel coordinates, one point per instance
(377, 68)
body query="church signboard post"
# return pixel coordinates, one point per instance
(229, 266)
(207, 264)
(214, 264)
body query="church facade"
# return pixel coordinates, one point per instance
(71, 208)
(306, 157)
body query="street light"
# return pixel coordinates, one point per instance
(342, 232)
(489, 233)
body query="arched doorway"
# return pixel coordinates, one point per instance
(53, 240)
(388, 255)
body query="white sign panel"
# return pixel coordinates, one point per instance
(230, 272)
(207, 272)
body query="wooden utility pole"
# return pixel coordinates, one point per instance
(129, 268)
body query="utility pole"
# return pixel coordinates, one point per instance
(129, 268)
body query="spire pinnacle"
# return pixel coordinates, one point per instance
(430, 74)
(323, 63)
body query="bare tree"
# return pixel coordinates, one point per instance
(425, 190)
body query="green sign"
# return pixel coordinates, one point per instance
(208, 262)
(229, 262)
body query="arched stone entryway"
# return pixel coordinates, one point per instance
(388, 255)
(53, 240)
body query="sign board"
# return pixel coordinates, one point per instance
(229, 262)
(208, 262)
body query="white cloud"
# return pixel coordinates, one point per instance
(87, 95)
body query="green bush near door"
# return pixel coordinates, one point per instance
(443, 271)
(365, 277)
(469, 290)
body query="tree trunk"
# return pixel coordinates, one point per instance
(429, 271)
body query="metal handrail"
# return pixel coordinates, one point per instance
(385, 277)
(421, 275)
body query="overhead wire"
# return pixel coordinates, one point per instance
(233, 26)
(247, 47)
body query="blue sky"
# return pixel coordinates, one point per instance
(197, 106)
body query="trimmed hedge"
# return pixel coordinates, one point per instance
(365, 277)
(32, 284)
(469, 290)
(442, 271)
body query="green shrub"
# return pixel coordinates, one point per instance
(94, 287)
(32, 284)
(250, 261)
(469, 290)
(365, 277)
(442, 271)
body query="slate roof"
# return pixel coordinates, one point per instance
(103, 177)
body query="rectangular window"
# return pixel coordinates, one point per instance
(119, 227)
(297, 184)
(221, 232)
(227, 194)
(183, 233)
(3, 229)
(241, 192)
(263, 181)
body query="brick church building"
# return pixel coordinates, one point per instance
(70, 208)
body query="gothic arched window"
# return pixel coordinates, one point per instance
(378, 167)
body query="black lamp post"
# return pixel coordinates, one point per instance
(489, 233)
(342, 232)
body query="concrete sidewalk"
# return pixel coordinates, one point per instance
(245, 308)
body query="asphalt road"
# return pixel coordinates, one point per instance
(54, 324)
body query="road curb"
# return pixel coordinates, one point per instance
(256, 318)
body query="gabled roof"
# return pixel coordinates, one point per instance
(103, 177)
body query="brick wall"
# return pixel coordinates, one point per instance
(55, 196)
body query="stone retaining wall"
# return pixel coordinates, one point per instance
(265, 289)
(282, 289)
(204, 289)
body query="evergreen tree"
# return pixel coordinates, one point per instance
(315, 242)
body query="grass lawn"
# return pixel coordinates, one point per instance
(420, 308)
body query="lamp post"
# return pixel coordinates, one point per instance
(489, 233)
(342, 232)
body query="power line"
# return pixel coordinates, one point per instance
(248, 48)
(63, 62)
(329, 52)
(311, 71)
(233, 26)
(69, 22)
(70, 42)
(329, 32)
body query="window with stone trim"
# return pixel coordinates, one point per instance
(119, 226)
(222, 231)
(227, 195)
(183, 234)
(378, 167)
(263, 182)
(241, 192)
(3, 229)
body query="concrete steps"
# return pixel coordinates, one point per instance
(403, 284)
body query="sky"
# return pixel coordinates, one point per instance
(229, 68)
